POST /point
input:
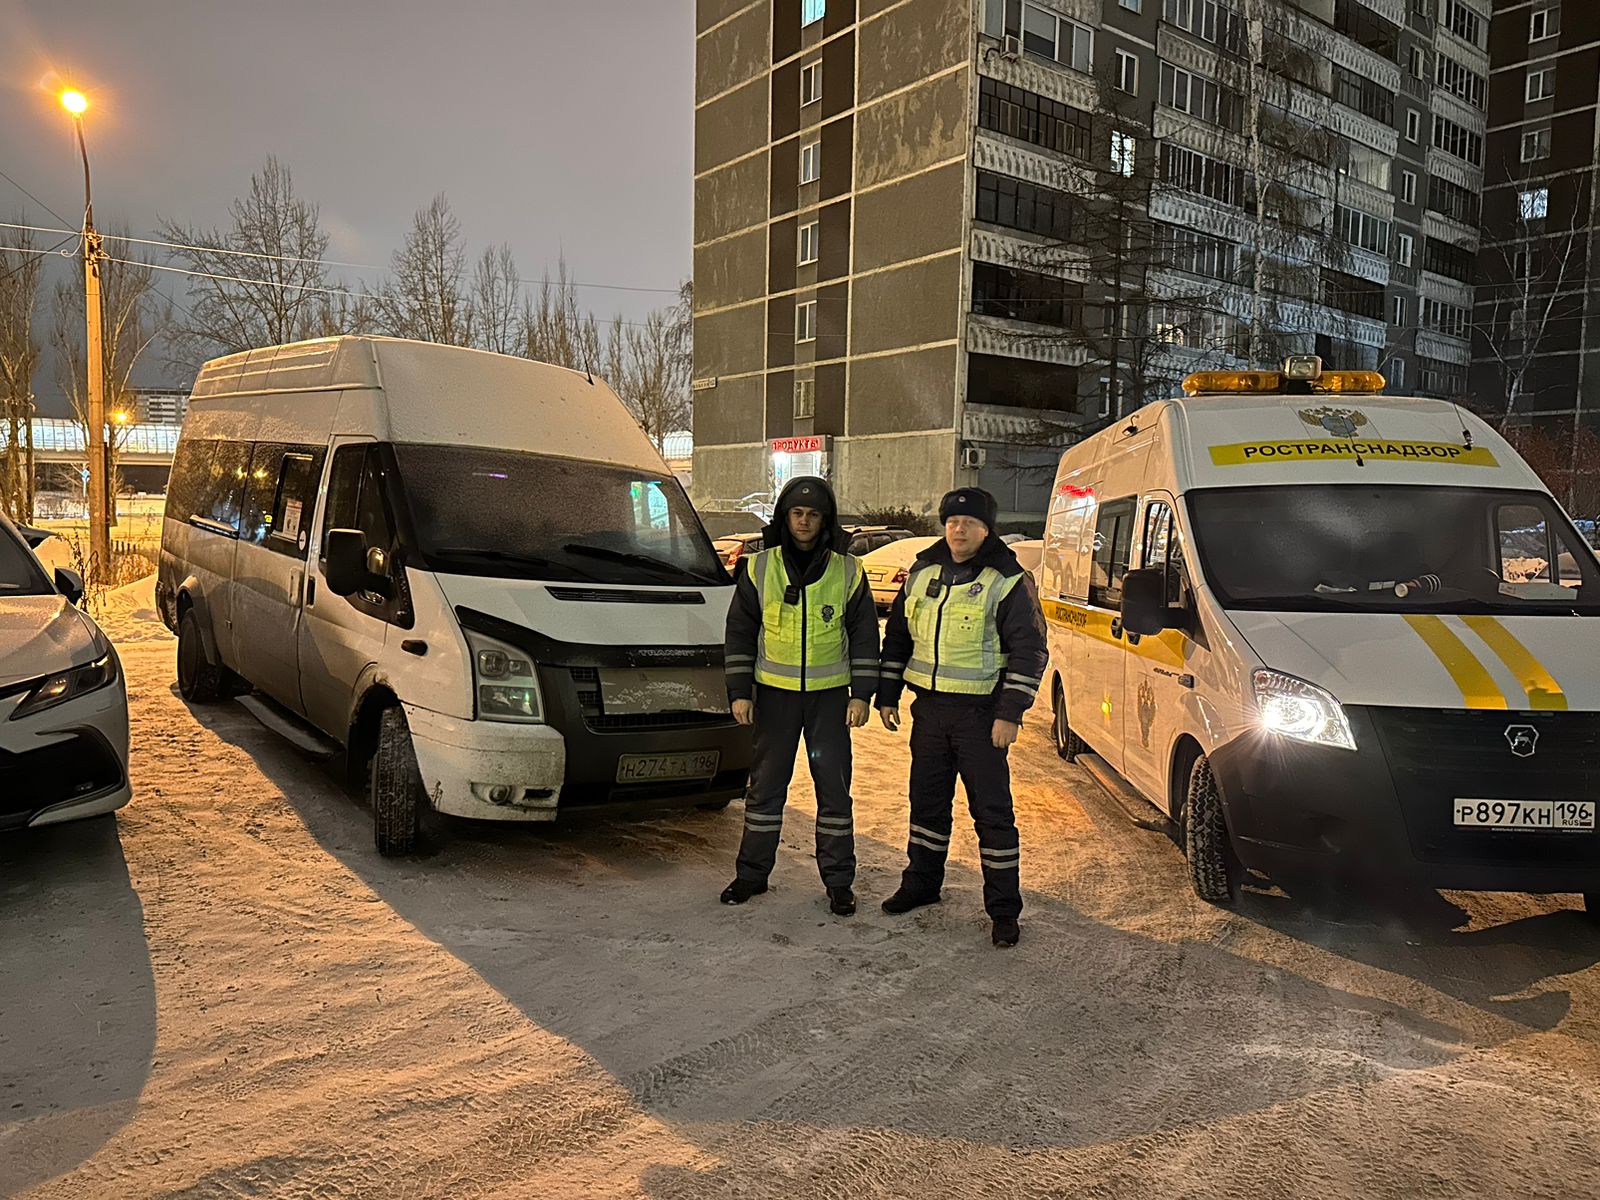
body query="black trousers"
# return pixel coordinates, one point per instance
(781, 718)
(951, 736)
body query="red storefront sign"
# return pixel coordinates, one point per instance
(797, 445)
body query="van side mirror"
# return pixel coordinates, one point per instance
(348, 569)
(70, 585)
(1144, 603)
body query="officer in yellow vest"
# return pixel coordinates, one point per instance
(802, 657)
(967, 635)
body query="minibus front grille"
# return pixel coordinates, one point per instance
(586, 682)
(623, 596)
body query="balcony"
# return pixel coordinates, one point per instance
(1441, 346)
(1022, 339)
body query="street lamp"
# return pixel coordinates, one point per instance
(95, 427)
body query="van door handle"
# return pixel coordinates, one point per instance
(311, 591)
(414, 646)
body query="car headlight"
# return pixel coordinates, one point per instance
(69, 684)
(1296, 709)
(504, 681)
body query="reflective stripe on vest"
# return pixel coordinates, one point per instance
(803, 647)
(956, 634)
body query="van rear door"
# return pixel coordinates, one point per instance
(1097, 678)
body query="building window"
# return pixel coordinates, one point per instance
(1127, 73)
(1444, 318)
(810, 241)
(1534, 205)
(1535, 144)
(1358, 297)
(1453, 201)
(812, 11)
(1418, 63)
(1183, 249)
(1405, 244)
(805, 399)
(1199, 97)
(1459, 81)
(811, 162)
(1528, 264)
(1204, 176)
(1448, 259)
(1130, 5)
(1464, 22)
(1372, 167)
(1016, 204)
(1019, 295)
(1399, 314)
(1122, 152)
(1209, 20)
(1362, 94)
(1361, 229)
(1055, 38)
(1544, 21)
(1395, 375)
(1408, 187)
(1413, 125)
(810, 83)
(805, 321)
(1541, 85)
(1030, 117)
(1454, 139)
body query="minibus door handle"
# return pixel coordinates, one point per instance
(311, 590)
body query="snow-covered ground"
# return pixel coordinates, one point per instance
(227, 993)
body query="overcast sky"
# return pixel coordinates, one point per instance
(554, 125)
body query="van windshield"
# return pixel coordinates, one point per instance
(1337, 548)
(482, 511)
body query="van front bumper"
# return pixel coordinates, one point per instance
(1386, 808)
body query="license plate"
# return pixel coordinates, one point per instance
(649, 768)
(1536, 815)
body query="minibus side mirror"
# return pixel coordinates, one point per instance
(348, 570)
(1144, 603)
(70, 585)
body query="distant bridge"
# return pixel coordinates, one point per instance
(58, 441)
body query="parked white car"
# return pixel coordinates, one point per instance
(63, 703)
(886, 568)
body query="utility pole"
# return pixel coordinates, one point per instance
(100, 498)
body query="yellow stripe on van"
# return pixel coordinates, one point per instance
(1167, 648)
(1320, 449)
(1543, 691)
(1477, 686)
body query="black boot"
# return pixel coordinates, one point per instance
(904, 900)
(1006, 931)
(741, 890)
(842, 901)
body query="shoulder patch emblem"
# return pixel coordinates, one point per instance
(975, 588)
(827, 612)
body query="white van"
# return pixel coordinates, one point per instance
(472, 571)
(1320, 627)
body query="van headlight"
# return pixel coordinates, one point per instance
(1296, 709)
(69, 684)
(504, 681)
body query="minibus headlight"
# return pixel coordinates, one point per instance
(1293, 708)
(504, 681)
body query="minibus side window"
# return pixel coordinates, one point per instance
(187, 485)
(355, 498)
(1113, 538)
(1163, 549)
(222, 493)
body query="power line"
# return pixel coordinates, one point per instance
(325, 262)
(36, 200)
(31, 250)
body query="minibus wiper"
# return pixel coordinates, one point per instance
(535, 561)
(632, 556)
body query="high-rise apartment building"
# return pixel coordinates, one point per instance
(937, 239)
(1536, 354)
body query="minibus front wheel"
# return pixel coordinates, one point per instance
(1068, 744)
(399, 803)
(1213, 866)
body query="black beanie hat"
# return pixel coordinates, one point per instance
(970, 502)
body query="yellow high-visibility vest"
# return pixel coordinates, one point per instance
(956, 634)
(803, 647)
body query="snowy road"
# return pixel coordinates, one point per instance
(227, 993)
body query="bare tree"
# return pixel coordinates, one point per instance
(555, 330)
(427, 298)
(261, 282)
(21, 269)
(656, 384)
(134, 317)
(497, 301)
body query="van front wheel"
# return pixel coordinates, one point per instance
(398, 801)
(1068, 744)
(199, 680)
(1205, 837)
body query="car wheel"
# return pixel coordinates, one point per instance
(399, 804)
(1068, 744)
(1212, 868)
(199, 680)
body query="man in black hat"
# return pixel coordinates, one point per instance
(966, 633)
(802, 658)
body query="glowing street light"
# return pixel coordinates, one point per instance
(75, 103)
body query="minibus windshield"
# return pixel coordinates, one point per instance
(482, 511)
(1336, 548)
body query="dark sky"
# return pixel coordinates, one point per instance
(554, 125)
